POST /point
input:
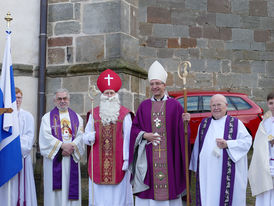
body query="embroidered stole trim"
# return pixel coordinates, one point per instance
(228, 175)
(107, 153)
(159, 152)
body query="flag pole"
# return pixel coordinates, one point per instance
(92, 92)
(8, 18)
(185, 64)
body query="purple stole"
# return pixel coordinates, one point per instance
(228, 168)
(57, 161)
(159, 152)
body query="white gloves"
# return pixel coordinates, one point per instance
(92, 138)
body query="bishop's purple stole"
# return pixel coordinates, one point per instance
(55, 125)
(228, 168)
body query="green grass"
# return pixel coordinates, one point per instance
(250, 201)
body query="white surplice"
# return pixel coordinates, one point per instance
(49, 146)
(114, 195)
(260, 177)
(210, 166)
(26, 186)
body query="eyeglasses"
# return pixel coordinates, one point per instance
(62, 98)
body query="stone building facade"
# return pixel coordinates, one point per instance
(230, 44)
(86, 37)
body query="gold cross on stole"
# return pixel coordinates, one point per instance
(160, 150)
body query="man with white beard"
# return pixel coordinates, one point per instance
(108, 131)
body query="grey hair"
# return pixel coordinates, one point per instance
(61, 90)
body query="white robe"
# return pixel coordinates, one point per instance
(49, 146)
(261, 180)
(115, 195)
(27, 186)
(210, 166)
(150, 202)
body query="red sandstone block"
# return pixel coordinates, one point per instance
(60, 41)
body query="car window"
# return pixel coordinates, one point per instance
(192, 104)
(230, 106)
(240, 103)
(206, 104)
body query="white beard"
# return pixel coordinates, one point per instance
(109, 109)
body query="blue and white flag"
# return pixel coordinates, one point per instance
(10, 148)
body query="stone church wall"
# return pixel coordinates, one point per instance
(229, 43)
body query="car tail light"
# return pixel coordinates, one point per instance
(261, 116)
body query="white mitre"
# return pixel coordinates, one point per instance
(157, 71)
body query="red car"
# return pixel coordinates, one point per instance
(239, 105)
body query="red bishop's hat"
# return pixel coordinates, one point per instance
(108, 79)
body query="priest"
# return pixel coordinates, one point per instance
(61, 145)
(157, 156)
(108, 131)
(219, 158)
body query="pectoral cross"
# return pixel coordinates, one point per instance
(5, 110)
(157, 122)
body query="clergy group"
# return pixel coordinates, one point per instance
(140, 159)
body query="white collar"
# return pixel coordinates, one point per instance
(164, 98)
